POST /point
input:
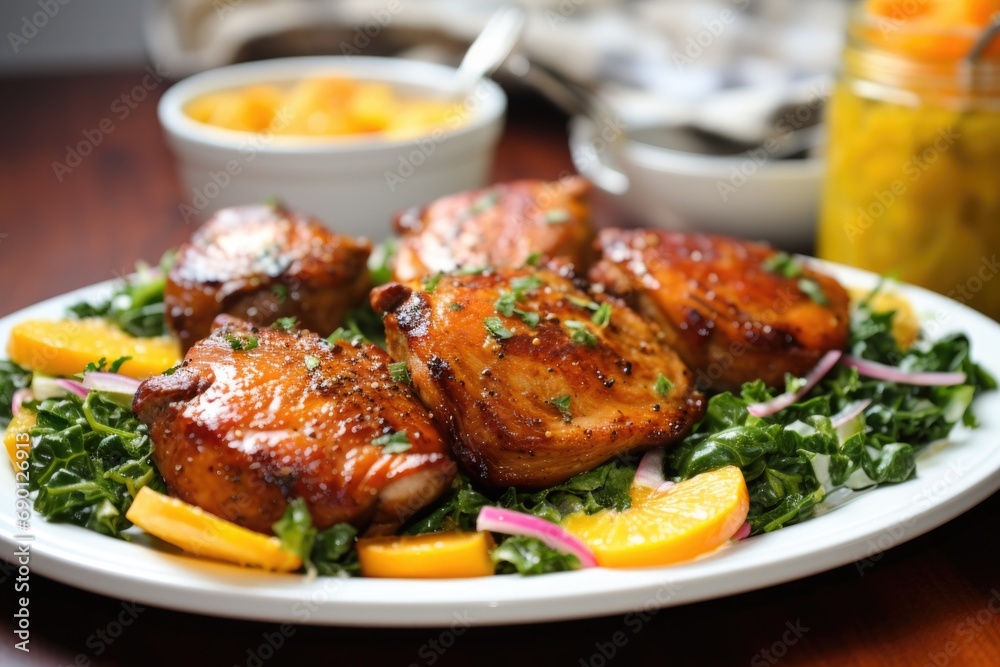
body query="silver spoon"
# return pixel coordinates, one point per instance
(490, 48)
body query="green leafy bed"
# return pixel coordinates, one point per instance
(91, 456)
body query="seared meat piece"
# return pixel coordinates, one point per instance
(735, 310)
(262, 263)
(254, 418)
(498, 226)
(531, 403)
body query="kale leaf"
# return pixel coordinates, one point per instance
(606, 486)
(791, 460)
(136, 305)
(527, 555)
(328, 552)
(89, 458)
(12, 378)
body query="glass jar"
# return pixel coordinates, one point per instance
(912, 187)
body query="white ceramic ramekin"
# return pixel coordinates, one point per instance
(354, 184)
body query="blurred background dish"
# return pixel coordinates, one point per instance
(722, 64)
(748, 195)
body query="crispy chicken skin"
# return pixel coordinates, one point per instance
(497, 226)
(239, 432)
(542, 405)
(262, 263)
(731, 316)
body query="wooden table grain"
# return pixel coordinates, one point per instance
(932, 601)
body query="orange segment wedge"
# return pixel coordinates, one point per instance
(434, 556)
(690, 519)
(202, 534)
(65, 347)
(905, 323)
(17, 439)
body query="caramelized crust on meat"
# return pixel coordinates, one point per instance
(498, 226)
(731, 316)
(262, 263)
(239, 432)
(504, 400)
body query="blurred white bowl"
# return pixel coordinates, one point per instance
(355, 184)
(758, 199)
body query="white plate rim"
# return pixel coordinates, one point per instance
(951, 480)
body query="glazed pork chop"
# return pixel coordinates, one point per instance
(534, 379)
(502, 225)
(734, 310)
(256, 417)
(262, 263)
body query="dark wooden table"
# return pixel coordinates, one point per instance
(932, 601)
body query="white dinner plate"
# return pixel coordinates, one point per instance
(950, 480)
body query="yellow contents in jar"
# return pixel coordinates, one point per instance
(913, 160)
(323, 107)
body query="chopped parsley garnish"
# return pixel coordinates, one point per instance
(584, 303)
(505, 304)
(285, 324)
(496, 328)
(312, 363)
(531, 319)
(562, 404)
(557, 216)
(783, 264)
(280, 292)
(431, 282)
(102, 365)
(523, 284)
(663, 385)
(361, 325)
(484, 203)
(602, 316)
(393, 443)
(534, 259)
(399, 373)
(347, 335)
(811, 289)
(240, 343)
(581, 334)
(455, 306)
(787, 266)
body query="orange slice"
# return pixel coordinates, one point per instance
(433, 556)
(16, 438)
(689, 519)
(196, 531)
(65, 347)
(905, 323)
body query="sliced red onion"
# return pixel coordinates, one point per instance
(110, 382)
(18, 399)
(781, 402)
(743, 533)
(650, 471)
(73, 387)
(509, 522)
(666, 486)
(851, 411)
(873, 369)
